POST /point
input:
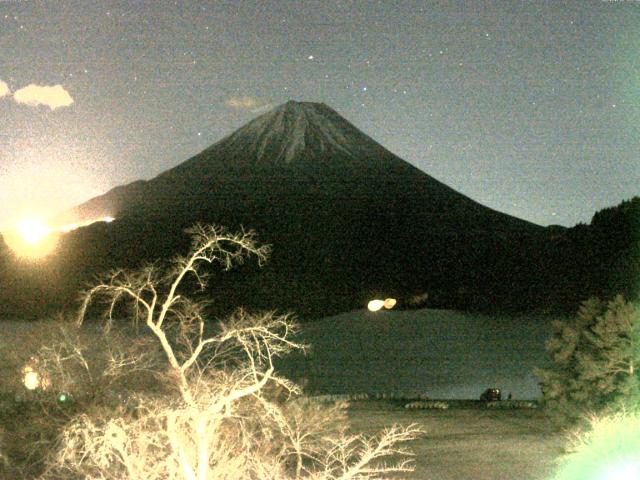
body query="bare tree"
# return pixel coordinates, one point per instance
(221, 422)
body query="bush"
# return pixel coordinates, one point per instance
(90, 368)
(595, 359)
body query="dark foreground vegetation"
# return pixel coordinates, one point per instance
(164, 395)
(543, 270)
(170, 395)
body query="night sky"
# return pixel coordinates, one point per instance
(531, 108)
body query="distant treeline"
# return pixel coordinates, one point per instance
(555, 271)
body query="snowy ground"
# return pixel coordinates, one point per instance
(440, 353)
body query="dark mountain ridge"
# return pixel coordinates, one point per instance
(308, 151)
(348, 221)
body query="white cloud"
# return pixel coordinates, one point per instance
(51, 96)
(253, 104)
(4, 89)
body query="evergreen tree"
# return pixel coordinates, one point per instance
(595, 360)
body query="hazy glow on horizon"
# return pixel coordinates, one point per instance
(32, 230)
(47, 175)
(72, 226)
(33, 238)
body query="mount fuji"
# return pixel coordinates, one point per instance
(347, 219)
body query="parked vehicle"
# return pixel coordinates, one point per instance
(491, 395)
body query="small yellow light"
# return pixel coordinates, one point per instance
(31, 379)
(389, 303)
(375, 305)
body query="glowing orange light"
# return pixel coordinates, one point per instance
(32, 379)
(375, 305)
(33, 238)
(33, 230)
(389, 303)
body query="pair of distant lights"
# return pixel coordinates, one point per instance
(33, 380)
(387, 304)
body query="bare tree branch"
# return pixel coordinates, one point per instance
(224, 420)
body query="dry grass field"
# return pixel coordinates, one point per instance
(471, 443)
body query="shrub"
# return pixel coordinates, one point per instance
(90, 368)
(595, 359)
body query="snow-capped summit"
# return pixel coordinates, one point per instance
(300, 136)
(285, 132)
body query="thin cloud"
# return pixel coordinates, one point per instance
(54, 96)
(252, 104)
(4, 89)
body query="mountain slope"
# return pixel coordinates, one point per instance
(348, 220)
(309, 149)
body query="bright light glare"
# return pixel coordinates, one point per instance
(33, 230)
(31, 379)
(72, 226)
(622, 471)
(33, 238)
(389, 303)
(375, 305)
(608, 450)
